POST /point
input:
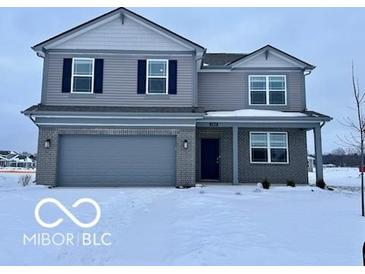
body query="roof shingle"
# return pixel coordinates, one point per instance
(221, 59)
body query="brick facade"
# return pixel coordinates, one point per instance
(225, 143)
(188, 161)
(295, 170)
(47, 158)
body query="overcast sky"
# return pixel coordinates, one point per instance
(327, 38)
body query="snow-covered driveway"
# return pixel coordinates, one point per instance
(213, 225)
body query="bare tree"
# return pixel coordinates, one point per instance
(356, 137)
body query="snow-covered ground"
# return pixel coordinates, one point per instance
(213, 225)
(339, 176)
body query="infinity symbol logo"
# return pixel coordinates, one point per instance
(67, 212)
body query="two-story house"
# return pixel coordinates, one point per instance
(126, 101)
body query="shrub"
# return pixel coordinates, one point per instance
(290, 183)
(24, 179)
(321, 184)
(265, 184)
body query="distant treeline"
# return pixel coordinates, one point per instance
(346, 160)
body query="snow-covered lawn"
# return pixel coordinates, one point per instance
(339, 176)
(213, 225)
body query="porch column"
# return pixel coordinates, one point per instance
(318, 152)
(235, 154)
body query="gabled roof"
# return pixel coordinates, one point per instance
(269, 47)
(39, 46)
(5, 152)
(11, 156)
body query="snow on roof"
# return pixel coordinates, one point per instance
(254, 113)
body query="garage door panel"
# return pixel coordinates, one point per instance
(108, 180)
(116, 160)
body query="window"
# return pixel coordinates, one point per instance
(269, 147)
(157, 77)
(82, 80)
(267, 89)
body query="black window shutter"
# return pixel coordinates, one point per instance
(66, 75)
(172, 76)
(141, 82)
(98, 75)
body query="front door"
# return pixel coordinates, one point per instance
(210, 159)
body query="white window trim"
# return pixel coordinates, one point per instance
(267, 90)
(268, 147)
(166, 76)
(77, 75)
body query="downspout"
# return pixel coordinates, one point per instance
(196, 60)
(30, 117)
(305, 73)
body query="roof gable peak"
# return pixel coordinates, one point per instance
(122, 14)
(278, 55)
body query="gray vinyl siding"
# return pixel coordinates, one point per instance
(120, 83)
(229, 90)
(131, 35)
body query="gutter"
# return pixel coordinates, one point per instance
(30, 117)
(307, 72)
(268, 119)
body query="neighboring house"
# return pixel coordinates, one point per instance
(2, 161)
(13, 159)
(6, 156)
(128, 102)
(24, 161)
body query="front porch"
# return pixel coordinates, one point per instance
(224, 152)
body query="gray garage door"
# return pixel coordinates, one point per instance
(86, 160)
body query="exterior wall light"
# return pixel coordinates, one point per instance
(47, 143)
(185, 144)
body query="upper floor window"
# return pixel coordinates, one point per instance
(267, 89)
(269, 147)
(157, 76)
(82, 80)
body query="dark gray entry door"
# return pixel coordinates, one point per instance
(210, 159)
(89, 160)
